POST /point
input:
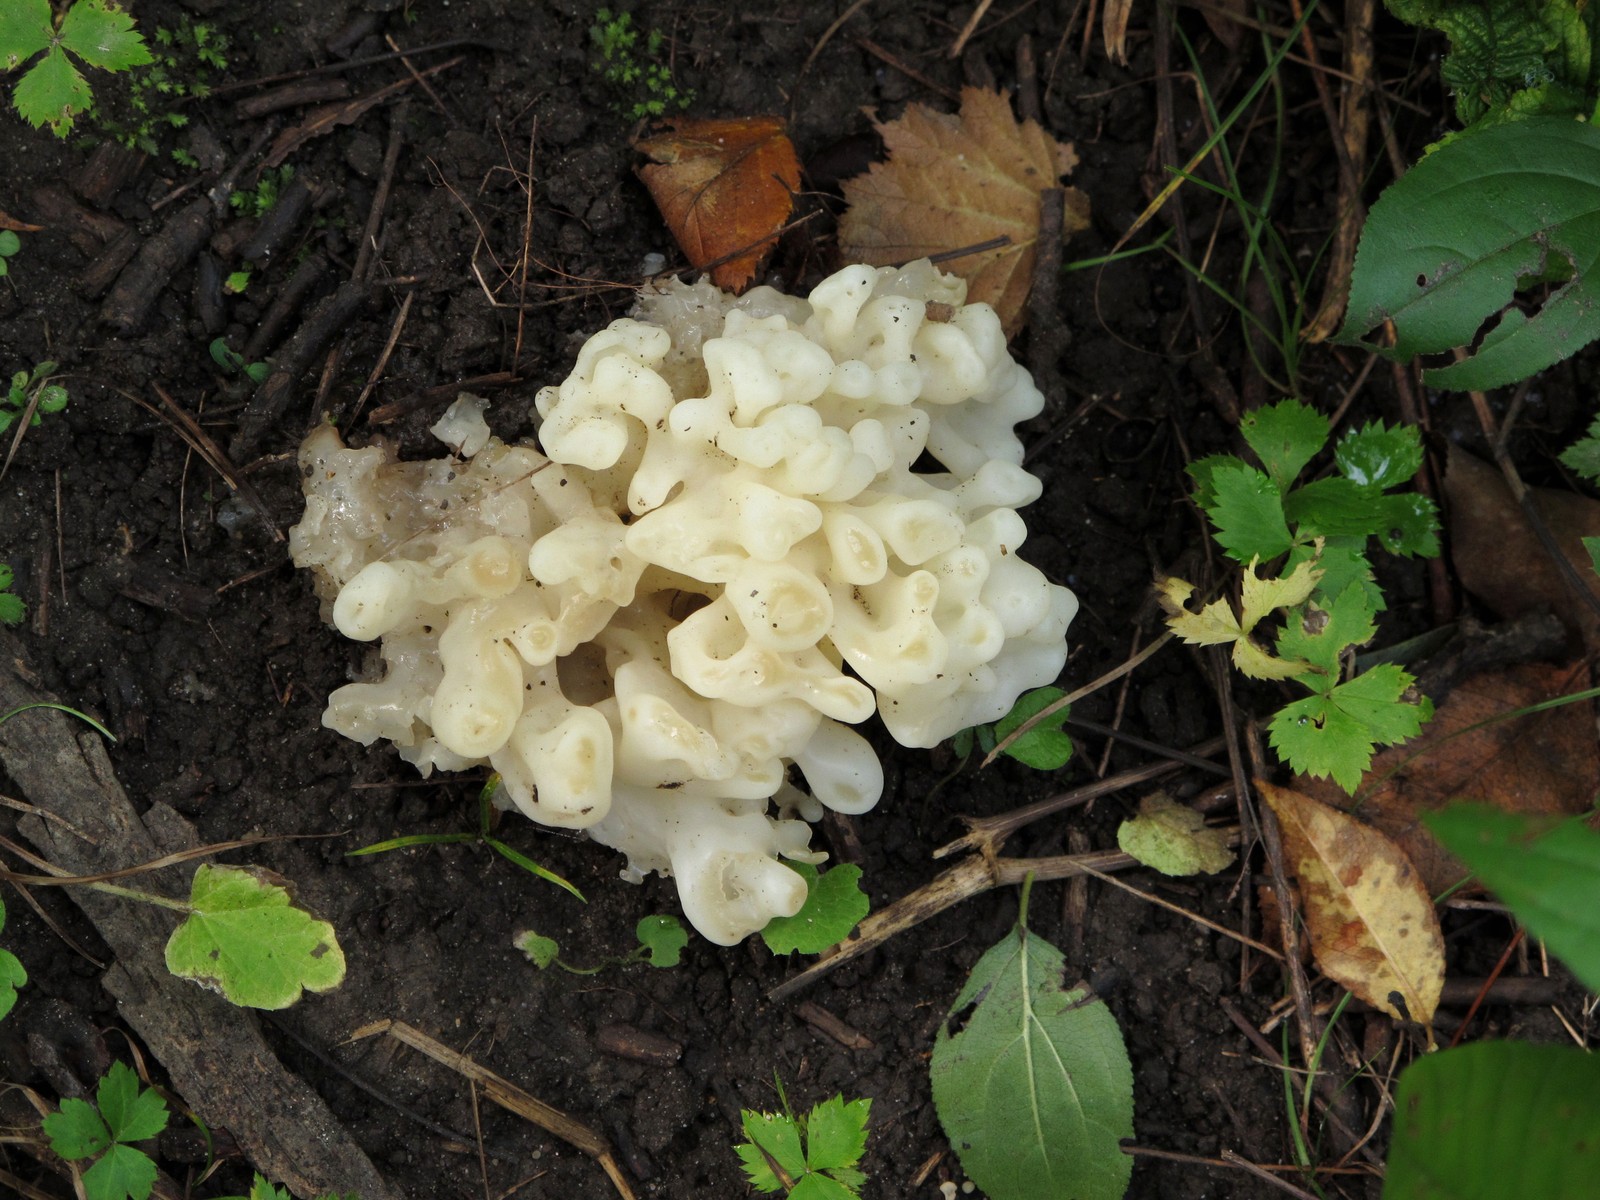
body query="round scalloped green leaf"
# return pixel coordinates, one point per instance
(1470, 1120)
(245, 940)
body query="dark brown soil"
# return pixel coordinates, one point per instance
(161, 604)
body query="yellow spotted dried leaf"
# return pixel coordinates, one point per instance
(725, 189)
(1373, 926)
(958, 180)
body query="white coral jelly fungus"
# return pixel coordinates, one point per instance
(721, 561)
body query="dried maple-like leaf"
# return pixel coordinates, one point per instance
(1372, 923)
(1544, 763)
(725, 189)
(961, 180)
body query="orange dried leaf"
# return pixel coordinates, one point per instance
(725, 189)
(1545, 763)
(1372, 923)
(953, 181)
(7, 221)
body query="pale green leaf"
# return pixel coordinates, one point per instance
(77, 1130)
(1285, 437)
(540, 950)
(1248, 514)
(1260, 597)
(1034, 1090)
(245, 940)
(1333, 733)
(131, 1113)
(53, 93)
(1493, 1120)
(777, 1135)
(1045, 747)
(25, 29)
(835, 904)
(1174, 839)
(103, 36)
(123, 1173)
(836, 1134)
(1447, 246)
(1546, 869)
(262, 1189)
(820, 1187)
(662, 939)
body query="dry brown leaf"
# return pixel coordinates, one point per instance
(953, 181)
(1372, 922)
(725, 189)
(1499, 559)
(1543, 763)
(7, 221)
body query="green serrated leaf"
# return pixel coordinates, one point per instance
(835, 904)
(12, 977)
(1546, 869)
(1409, 524)
(245, 940)
(1174, 839)
(1378, 456)
(540, 949)
(1334, 507)
(77, 1130)
(777, 1135)
(1469, 1120)
(836, 1134)
(53, 93)
(122, 1174)
(1343, 561)
(1045, 747)
(26, 28)
(1035, 1090)
(262, 1189)
(1333, 733)
(662, 938)
(103, 36)
(1319, 636)
(1583, 456)
(12, 609)
(1285, 437)
(1446, 247)
(131, 1113)
(821, 1187)
(1248, 514)
(1202, 471)
(1592, 545)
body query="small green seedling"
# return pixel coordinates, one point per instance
(123, 1113)
(262, 1188)
(661, 943)
(12, 609)
(233, 363)
(1324, 591)
(184, 61)
(32, 390)
(1043, 745)
(835, 904)
(54, 91)
(10, 243)
(636, 73)
(261, 199)
(483, 837)
(811, 1157)
(12, 976)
